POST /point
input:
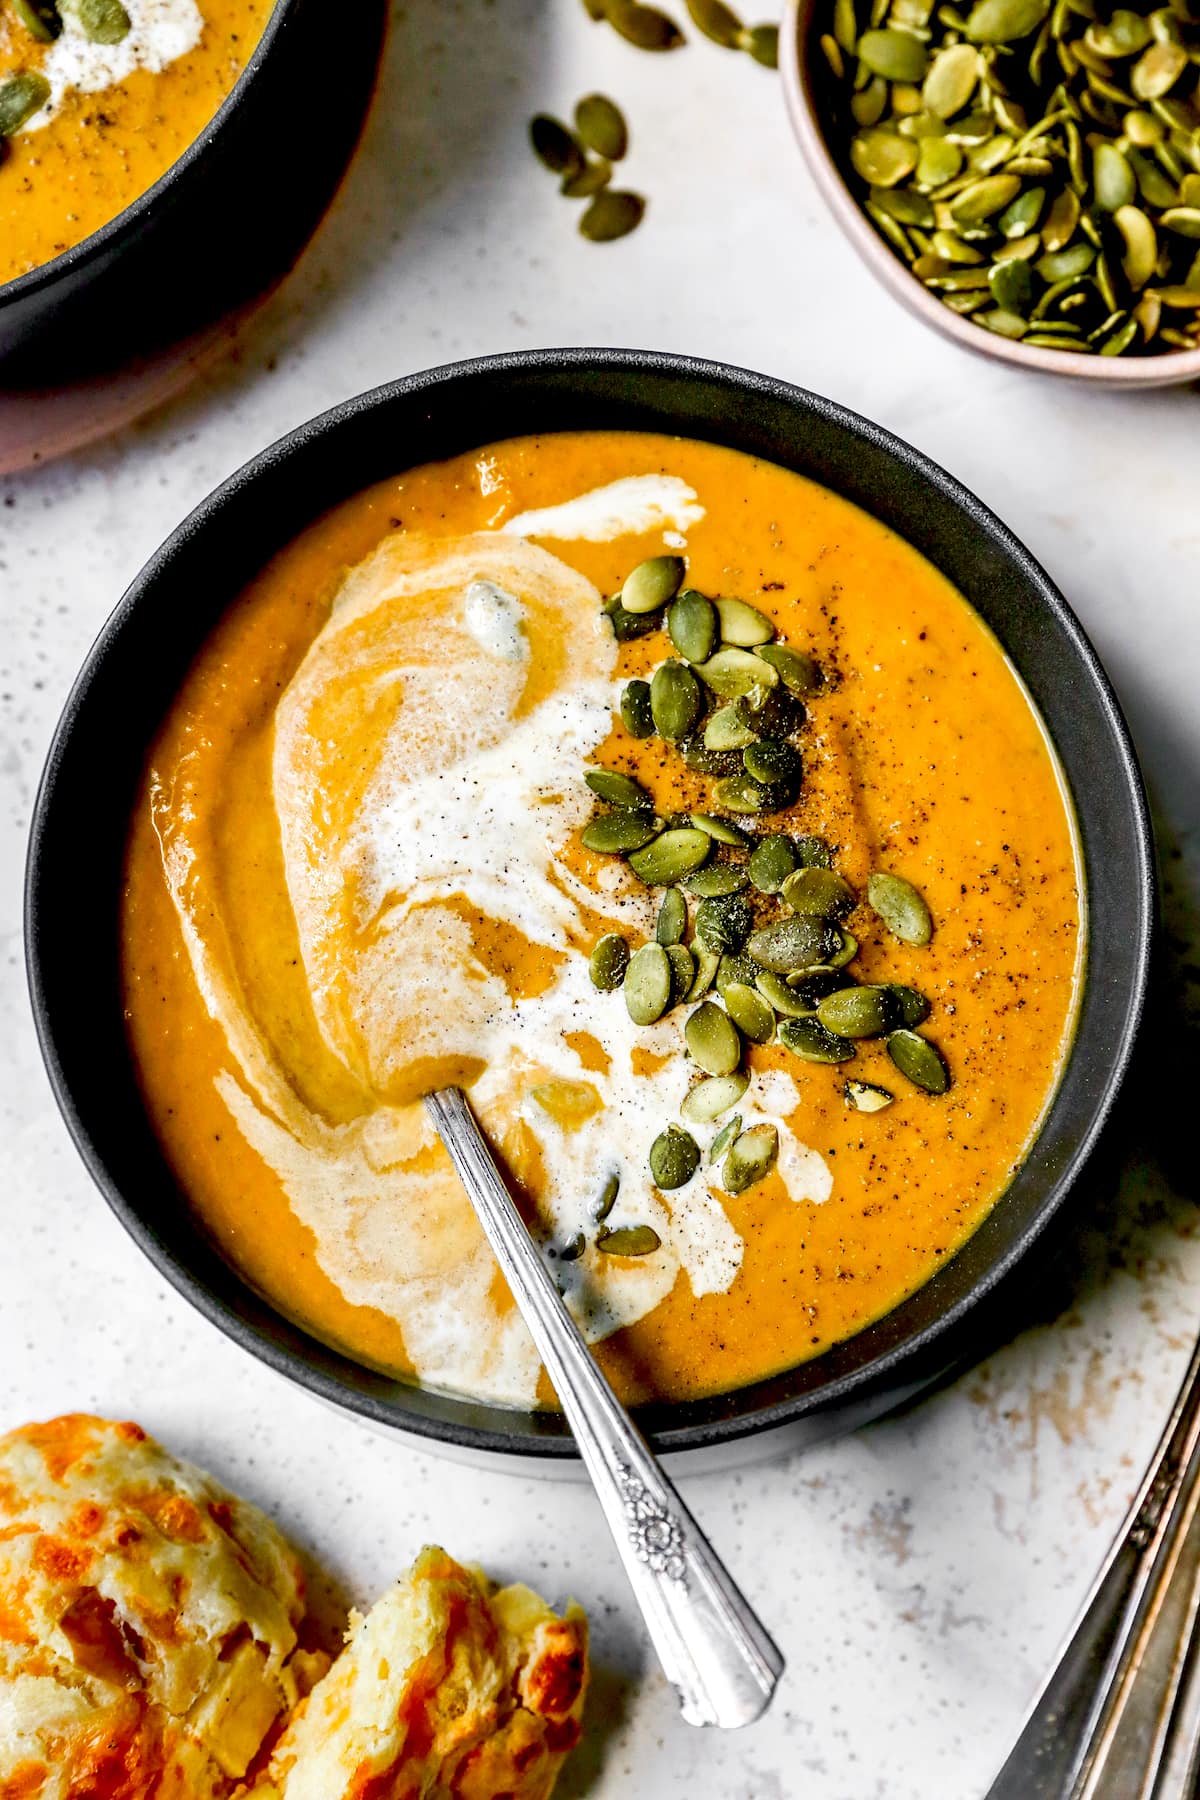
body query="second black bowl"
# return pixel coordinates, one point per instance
(224, 222)
(134, 670)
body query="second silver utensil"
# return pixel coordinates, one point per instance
(714, 1650)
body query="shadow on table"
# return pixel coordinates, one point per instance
(458, 82)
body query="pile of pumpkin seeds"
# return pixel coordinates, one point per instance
(752, 931)
(649, 28)
(1036, 163)
(583, 161)
(24, 92)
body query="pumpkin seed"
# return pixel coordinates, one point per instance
(811, 989)
(637, 715)
(736, 966)
(905, 206)
(938, 162)
(573, 1249)
(607, 1198)
(713, 1096)
(917, 1058)
(808, 1039)
(820, 892)
(600, 125)
(101, 21)
(707, 762)
(692, 626)
(951, 80)
(883, 158)
(771, 710)
(628, 1240)
(21, 95)
(761, 44)
(674, 1158)
(707, 964)
(594, 175)
(1112, 178)
(1157, 70)
(40, 18)
(1011, 284)
(723, 832)
(612, 834)
(773, 761)
(845, 950)
(783, 999)
(643, 25)
(813, 853)
(717, 21)
(743, 625)
(682, 971)
(797, 671)
(869, 102)
(652, 584)
(750, 1011)
(712, 1040)
(728, 1132)
(1004, 21)
(618, 789)
(896, 55)
(723, 922)
(1141, 245)
(1185, 220)
(772, 861)
(627, 625)
(742, 794)
(864, 1096)
(647, 984)
(901, 907)
(733, 672)
(675, 700)
(750, 1158)
(982, 199)
(672, 919)
(727, 730)
(912, 1006)
(612, 214)
(856, 1012)
(717, 879)
(554, 145)
(608, 961)
(671, 856)
(801, 942)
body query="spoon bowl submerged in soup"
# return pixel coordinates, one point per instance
(681, 812)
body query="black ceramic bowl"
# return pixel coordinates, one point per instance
(224, 222)
(134, 669)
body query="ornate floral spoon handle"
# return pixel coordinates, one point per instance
(714, 1650)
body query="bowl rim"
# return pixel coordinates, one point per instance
(106, 237)
(315, 1366)
(1173, 367)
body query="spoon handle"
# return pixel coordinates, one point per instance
(1108, 1724)
(714, 1650)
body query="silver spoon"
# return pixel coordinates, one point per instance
(715, 1652)
(1119, 1716)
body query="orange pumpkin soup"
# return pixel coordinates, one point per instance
(98, 98)
(751, 921)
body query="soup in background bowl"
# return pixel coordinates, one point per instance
(152, 176)
(366, 858)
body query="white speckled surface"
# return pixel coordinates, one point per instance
(919, 1575)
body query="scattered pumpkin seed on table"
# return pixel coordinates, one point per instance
(1034, 162)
